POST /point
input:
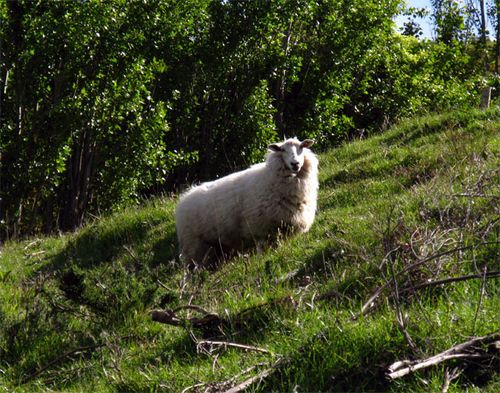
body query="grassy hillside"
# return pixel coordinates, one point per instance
(397, 212)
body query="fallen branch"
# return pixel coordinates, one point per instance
(448, 377)
(257, 378)
(170, 317)
(234, 345)
(370, 303)
(399, 314)
(476, 195)
(453, 279)
(401, 368)
(223, 385)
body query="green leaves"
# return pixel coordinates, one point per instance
(103, 102)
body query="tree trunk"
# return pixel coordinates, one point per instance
(482, 32)
(78, 188)
(281, 83)
(497, 44)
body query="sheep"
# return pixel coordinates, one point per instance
(250, 207)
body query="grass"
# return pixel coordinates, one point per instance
(75, 309)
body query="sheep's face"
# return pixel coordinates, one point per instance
(292, 153)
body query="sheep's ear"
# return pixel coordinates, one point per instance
(307, 143)
(274, 147)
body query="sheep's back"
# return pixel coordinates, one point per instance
(213, 211)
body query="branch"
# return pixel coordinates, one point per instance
(170, 317)
(370, 303)
(401, 368)
(258, 378)
(222, 386)
(399, 314)
(230, 344)
(453, 279)
(448, 377)
(476, 195)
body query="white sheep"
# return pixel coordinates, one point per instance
(249, 207)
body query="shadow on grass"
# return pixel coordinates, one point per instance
(104, 276)
(99, 244)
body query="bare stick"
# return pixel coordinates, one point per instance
(198, 385)
(163, 285)
(453, 279)
(448, 377)
(235, 345)
(432, 362)
(222, 385)
(399, 314)
(476, 195)
(481, 294)
(169, 317)
(402, 368)
(370, 303)
(259, 377)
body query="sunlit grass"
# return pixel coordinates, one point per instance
(75, 308)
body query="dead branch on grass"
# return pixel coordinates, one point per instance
(450, 376)
(225, 344)
(399, 314)
(466, 350)
(467, 195)
(480, 300)
(228, 386)
(170, 317)
(370, 304)
(448, 280)
(257, 378)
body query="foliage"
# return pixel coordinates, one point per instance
(103, 103)
(75, 309)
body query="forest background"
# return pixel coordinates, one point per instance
(104, 103)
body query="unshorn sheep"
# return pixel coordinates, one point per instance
(249, 207)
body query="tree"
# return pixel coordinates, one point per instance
(102, 103)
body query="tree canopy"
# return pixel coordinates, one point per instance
(102, 103)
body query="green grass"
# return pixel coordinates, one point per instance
(75, 309)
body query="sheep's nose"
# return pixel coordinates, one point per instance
(295, 165)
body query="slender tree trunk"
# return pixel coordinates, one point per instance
(80, 172)
(482, 32)
(497, 44)
(281, 84)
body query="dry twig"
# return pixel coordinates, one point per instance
(257, 378)
(370, 304)
(450, 376)
(481, 294)
(170, 317)
(452, 279)
(399, 315)
(225, 386)
(201, 343)
(461, 351)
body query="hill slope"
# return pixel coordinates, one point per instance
(397, 212)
